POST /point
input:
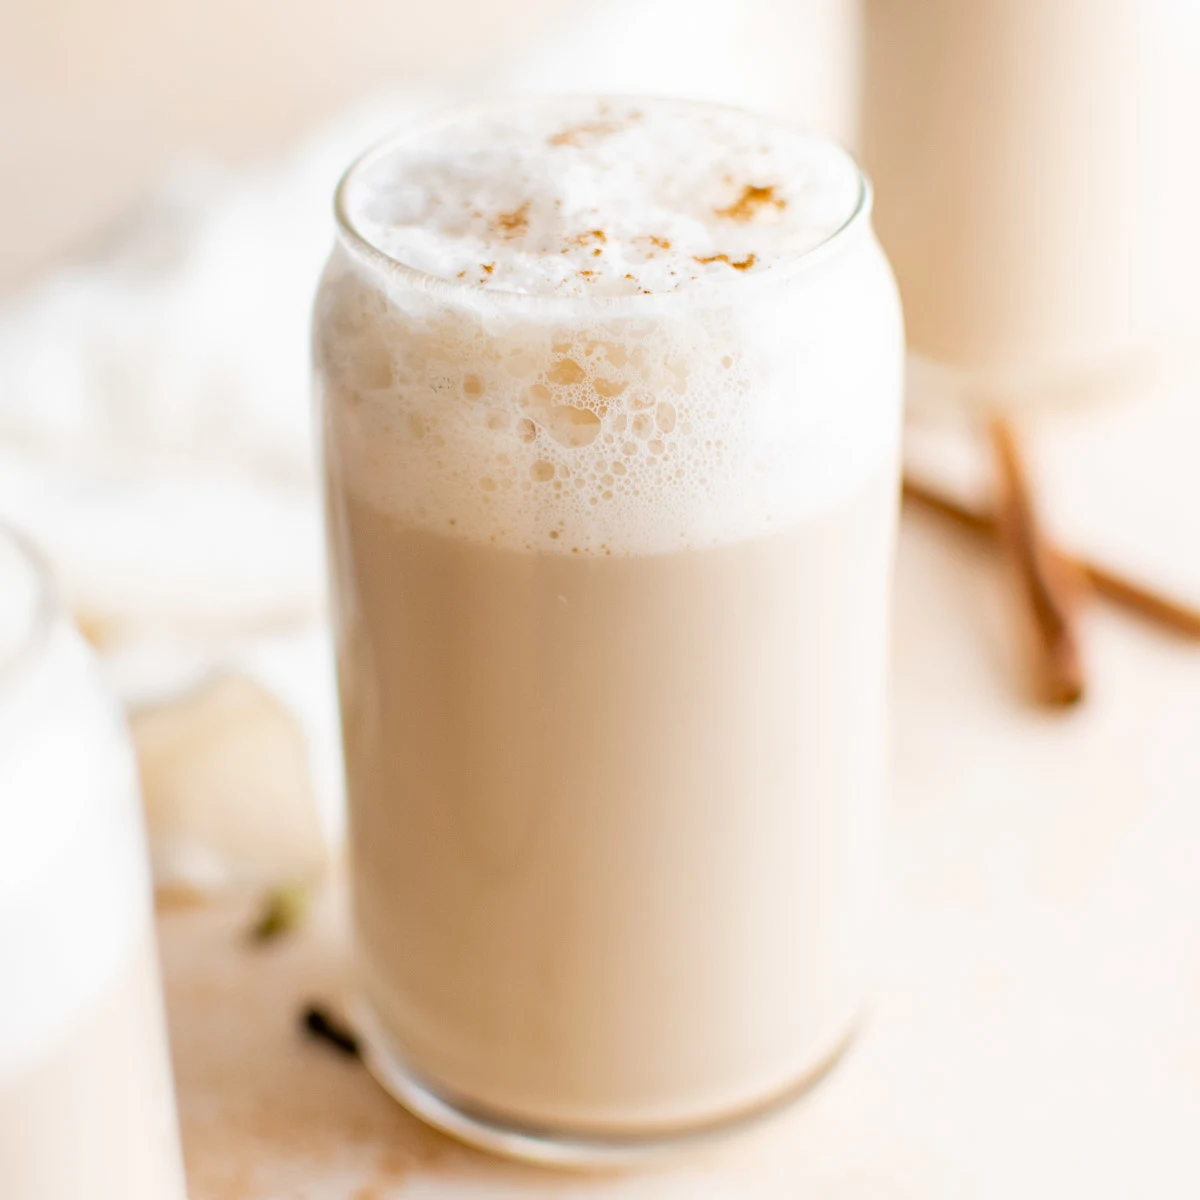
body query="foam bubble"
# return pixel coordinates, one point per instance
(722, 404)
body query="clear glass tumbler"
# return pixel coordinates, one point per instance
(610, 577)
(86, 1103)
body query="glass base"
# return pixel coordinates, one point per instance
(563, 1149)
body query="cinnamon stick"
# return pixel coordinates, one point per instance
(1043, 581)
(1135, 598)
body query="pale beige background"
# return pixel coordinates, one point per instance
(96, 96)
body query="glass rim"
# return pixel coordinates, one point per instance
(707, 291)
(43, 612)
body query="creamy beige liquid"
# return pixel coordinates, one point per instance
(614, 818)
(93, 1117)
(1036, 181)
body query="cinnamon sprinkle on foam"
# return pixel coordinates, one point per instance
(514, 224)
(751, 202)
(743, 265)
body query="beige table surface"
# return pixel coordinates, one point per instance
(1036, 1028)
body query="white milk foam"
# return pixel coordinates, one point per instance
(604, 337)
(610, 197)
(74, 887)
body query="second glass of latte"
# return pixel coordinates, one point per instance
(610, 399)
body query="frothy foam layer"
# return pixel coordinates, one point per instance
(74, 887)
(609, 197)
(622, 425)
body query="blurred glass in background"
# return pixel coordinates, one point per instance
(1037, 170)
